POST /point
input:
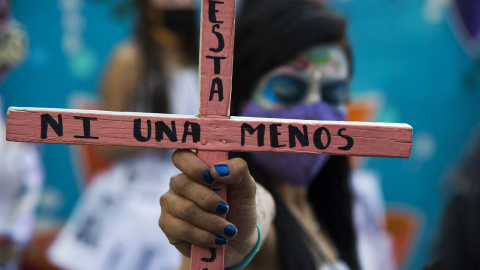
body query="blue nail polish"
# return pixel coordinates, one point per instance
(230, 231)
(222, 169)
(207, 177)
(222, 208)
(220, 241)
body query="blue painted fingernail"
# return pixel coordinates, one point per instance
(222, 208)
(222, 169)
(230, 231)
(208, 178)
(220, 241)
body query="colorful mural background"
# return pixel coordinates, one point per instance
(421, 66)
(414, 59)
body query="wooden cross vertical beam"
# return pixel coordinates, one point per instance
(215, 73)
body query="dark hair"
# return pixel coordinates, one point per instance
(268, 34)
(154, 76)
(271, 32)
(332, 201)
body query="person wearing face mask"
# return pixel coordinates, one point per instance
(157, 68)
(21, 168)
(113, 225)
(284, 211)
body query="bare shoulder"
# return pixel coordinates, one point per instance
(121, 76)
(127, 54)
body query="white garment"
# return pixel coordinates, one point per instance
(114, 225)
(374, 245)
(21, 181)
(184, 95)
(334, 266)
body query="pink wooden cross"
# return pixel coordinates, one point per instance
(212, 132)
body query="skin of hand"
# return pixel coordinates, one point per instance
(190, 209)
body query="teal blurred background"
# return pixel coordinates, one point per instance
(410, 57)
(413, 55)
(70, 44)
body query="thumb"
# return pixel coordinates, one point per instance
(241, 190)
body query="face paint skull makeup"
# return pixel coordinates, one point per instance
(314, 86)
(321, 73)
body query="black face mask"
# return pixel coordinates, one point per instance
(181, 21)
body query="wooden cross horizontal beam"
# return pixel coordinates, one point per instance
(63, 126)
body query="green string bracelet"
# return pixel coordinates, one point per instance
(250, 255)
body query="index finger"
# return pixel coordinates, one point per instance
(192, 166)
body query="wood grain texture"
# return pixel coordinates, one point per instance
(113, 128)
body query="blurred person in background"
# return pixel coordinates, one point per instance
(458, 243)
(113, 225)
(21, 171)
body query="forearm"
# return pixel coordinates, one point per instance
(265, 211)
(265, 208)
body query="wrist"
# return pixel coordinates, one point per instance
(246, 259)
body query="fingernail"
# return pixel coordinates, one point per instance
(222, 208)
(230, 231)
(222, 169)
(220, 241)
(207, 177)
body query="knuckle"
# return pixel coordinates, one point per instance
(164, 223)
(218, 225)
(185, 231)
(208, 200)
(205, 220)
(241, 164)
(182, 229)
(161, 223)
(182, 183)
(241, 167)
(172, 241)
(205, 238)
(242, 173)
(190, 209)
(208, 221)
(172, 181)
(163, 200)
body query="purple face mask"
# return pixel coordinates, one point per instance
(295, 169)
